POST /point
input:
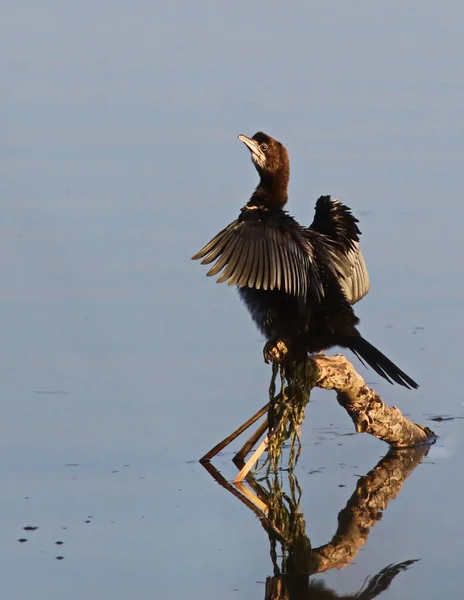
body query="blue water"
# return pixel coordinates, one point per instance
(119, 160)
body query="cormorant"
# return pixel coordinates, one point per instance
(298, 283)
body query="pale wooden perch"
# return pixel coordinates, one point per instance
(365, 407)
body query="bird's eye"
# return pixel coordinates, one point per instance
(263, 146)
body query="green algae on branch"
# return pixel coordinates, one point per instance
(366, 408)
(286, 410)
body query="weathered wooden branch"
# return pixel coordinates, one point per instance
(365, 407)
(284, 524)
(285, 410)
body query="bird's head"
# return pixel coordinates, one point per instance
(267, 154)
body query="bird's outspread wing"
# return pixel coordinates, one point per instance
(262, 252)
(335, 220)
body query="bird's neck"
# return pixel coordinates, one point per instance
(272, 189)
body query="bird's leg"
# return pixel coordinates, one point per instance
(276, 350)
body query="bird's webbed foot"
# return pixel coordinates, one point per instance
(276, 350)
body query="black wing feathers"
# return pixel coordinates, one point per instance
(335, 221)
(268, 254)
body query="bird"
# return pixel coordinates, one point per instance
(299, 283)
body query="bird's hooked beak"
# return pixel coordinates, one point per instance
(257, 155)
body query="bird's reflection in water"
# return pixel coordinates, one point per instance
(298, 587)
(293, 557)
(276, 500)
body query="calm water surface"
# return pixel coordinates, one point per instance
(121, 364)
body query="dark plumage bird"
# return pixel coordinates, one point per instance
(297, 282)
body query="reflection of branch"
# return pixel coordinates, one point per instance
(236, 490)
(280, 515)
(373, 493)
